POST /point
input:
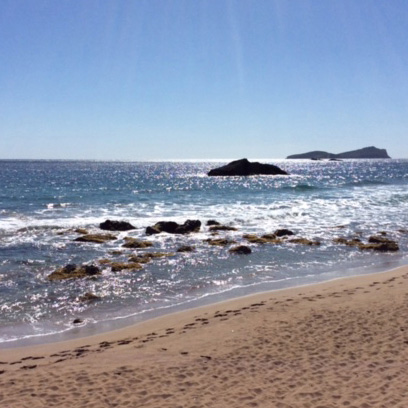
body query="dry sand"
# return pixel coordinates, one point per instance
(339, 344)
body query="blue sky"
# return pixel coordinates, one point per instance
(179, 79)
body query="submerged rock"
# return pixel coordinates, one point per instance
(148, 256)
(219, 241)
(172, 227)
(96, 238)
(82, 231)
(120, 266)
(72, 271)
(244, 167)
(186, 248)
(136, 243)
(349, 242)
(241, 250)
(212, 222)
(265, 239)
(89, 297)
(304, 241)
(116, 226)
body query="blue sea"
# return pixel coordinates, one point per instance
(42, 203)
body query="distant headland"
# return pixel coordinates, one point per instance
(370, 152)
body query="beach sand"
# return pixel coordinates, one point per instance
(342, 343)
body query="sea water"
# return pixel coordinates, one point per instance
(43, 202)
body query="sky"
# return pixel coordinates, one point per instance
(184, 79)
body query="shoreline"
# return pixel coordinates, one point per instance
(342, 342)
(104, 328)
(179, 310)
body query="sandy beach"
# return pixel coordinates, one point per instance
(342, 343)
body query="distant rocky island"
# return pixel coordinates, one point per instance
(370, 152)
(244, 167)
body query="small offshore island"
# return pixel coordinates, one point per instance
(244, 167)
(370, 152)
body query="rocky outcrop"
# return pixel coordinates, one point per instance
(136, 243)
(120, 266)
(71, 271)
(375, 243)
(370, 152)
(244, 167)
(283, 232)
(172, 227)
(380, 243)
(241, 250)
(109, 225)
(349, 242)
(96, 238)
(222, 228)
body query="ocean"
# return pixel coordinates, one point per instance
(42, 203)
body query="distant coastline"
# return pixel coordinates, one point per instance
(370, 152)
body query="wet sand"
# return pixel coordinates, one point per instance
(342, 343)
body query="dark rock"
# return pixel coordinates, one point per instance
(389, 246)
(222, 228)
(71, 271)
(380, 243)
(186, 248)
(212, 222)
(82, 231)
(241, 250)
(375, 243)
(89, 297)
(378, 239)
(165, 226)
(136, 243)
(189, 226)
(116, 225)
(96, 238)
(244, 167)
(172, 227)
(282, 232)
(152, 231)
(77, 321)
